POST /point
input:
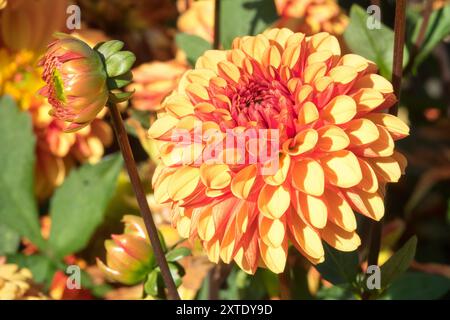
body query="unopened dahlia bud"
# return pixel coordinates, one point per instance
(129, 256)
(79, 78)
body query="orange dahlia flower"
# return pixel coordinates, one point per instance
(333, 146)
(198, 20)
(311, 16)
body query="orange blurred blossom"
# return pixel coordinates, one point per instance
(311, 16)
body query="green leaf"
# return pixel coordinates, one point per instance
(119, 63)
(177, 254)
(42, 268)
(418, 286)
(244, 17)
(18, 208)
(373, 44)
(9, 240)
(177, 272)
(339, 267)
(108, 48)
(120, 81)
(78, 206)
(117, 97)
(341, 292)
(193, 46)
(398, 263)
(141, 116)
(151, 284)
(437, 29)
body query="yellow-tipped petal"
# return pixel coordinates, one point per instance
(368, 204)
(396, 127)
(281, 173)
(308, 177)
(272, 57)
(306, 238)
(401, 159)
(374, 81)
(162, 126)
(339, 211)
(274, 257)
(332, 138)
(206, 228)
(323, 41)
(307, 113)
(367, 99)
(213, 250)
(215, 176)
(243, 181)
(382, 147)
(339, 110)
(272, 231)
(279, 35)
(314, 71)
(229, 71)
(361, 132)
(339, 238)
(369, 183)
(342, 169)
(273, 201)
(197, 92)
(343, 74)
(184, 227)
(303, 142)
(178, 105)
(313, 209)
(386, 168)
(161, 187)
(183, 182)
(355, 61)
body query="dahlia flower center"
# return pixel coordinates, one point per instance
(264, 103)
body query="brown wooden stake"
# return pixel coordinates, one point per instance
(141, 198)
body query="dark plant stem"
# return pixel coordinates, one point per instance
(376, 2)
(130, 164)
(399, 43)
(397, 72)
(217, 276)
(216, 44)
(375, 243)
(284, 279)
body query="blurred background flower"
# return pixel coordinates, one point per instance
(312, 16)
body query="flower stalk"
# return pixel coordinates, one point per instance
(130, 164)
(216, 43)
(397, 72)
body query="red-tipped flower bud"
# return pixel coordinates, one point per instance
(79, 78)
(129, 256)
